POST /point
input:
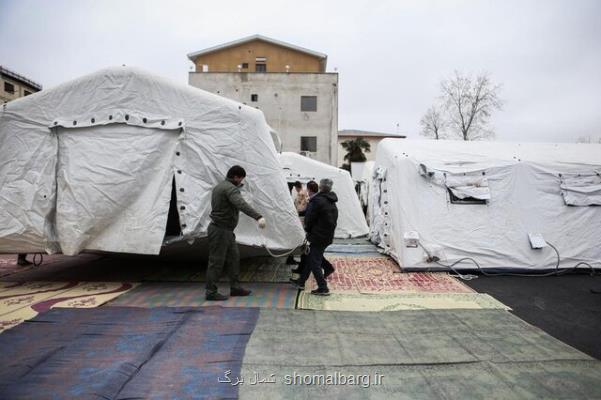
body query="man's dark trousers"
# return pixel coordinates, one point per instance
(223, 251)
(314, 263)
(305, 268)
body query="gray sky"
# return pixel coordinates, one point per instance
(391, 55)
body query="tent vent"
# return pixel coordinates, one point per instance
(581, 190)
(468, 189)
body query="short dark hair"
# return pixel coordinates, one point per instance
(236, 170)
(297, 184)
(313, 186)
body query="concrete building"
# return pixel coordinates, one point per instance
(13, 85)
(373, 138)
(287, 82)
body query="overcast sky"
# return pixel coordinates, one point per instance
(391, 55)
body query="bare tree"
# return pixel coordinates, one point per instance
(433, 123)
(588, 139)
(469, 104)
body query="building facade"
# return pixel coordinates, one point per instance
(13, 85)
(373, 138)
(288, 83)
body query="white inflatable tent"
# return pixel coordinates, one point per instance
(483, 199)
(351, 221)
(91, 165)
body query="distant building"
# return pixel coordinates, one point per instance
(13, 85)
(287, 82)
(373, 138)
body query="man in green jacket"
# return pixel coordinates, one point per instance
(226, 204)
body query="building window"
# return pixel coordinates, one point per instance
(9, 88)
(205, 68)
(254, 97)
(260, 68)
(308, 103)
(26, 93)
(309, 143)
(244, 65)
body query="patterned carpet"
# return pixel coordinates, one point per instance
(25, 300)
(381, 274)
(175, 294)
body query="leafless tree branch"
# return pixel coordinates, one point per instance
(469, 104)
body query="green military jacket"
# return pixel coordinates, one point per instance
(226, 204)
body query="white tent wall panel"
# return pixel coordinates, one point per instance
(525, 197)
(114, 188)
(27, 185)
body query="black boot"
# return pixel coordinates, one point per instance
(216, 297)
(239, 292)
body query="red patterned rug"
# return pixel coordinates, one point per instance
(382, 274)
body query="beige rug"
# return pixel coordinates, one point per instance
(397, 301)
(23, 301)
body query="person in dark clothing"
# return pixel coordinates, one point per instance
(226, 204)
(312, 189)
(328, 268)
(321, 218)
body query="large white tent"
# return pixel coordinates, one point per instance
(455, 199)
(351, 221)
(91, 165)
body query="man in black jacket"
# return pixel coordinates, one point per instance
(321, 218)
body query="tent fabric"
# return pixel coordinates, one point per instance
(89, 165)
(524, 186)
(465, 186)
(351, 221)
(363, 180)
(581, 190)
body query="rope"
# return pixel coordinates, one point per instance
(305, 245)
(35, 255)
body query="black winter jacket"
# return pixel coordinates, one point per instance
(321, 218)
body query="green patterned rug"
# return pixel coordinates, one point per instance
(397, 301)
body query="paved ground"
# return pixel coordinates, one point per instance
(562, 306)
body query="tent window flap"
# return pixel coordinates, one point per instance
(581, 190)
(468, 187)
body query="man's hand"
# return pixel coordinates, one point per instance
(262, 222)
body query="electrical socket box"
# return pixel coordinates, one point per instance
(411, 239)
(537, 241)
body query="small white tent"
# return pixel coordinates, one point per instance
(90, 165)
(483, 199)
(351, 221)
